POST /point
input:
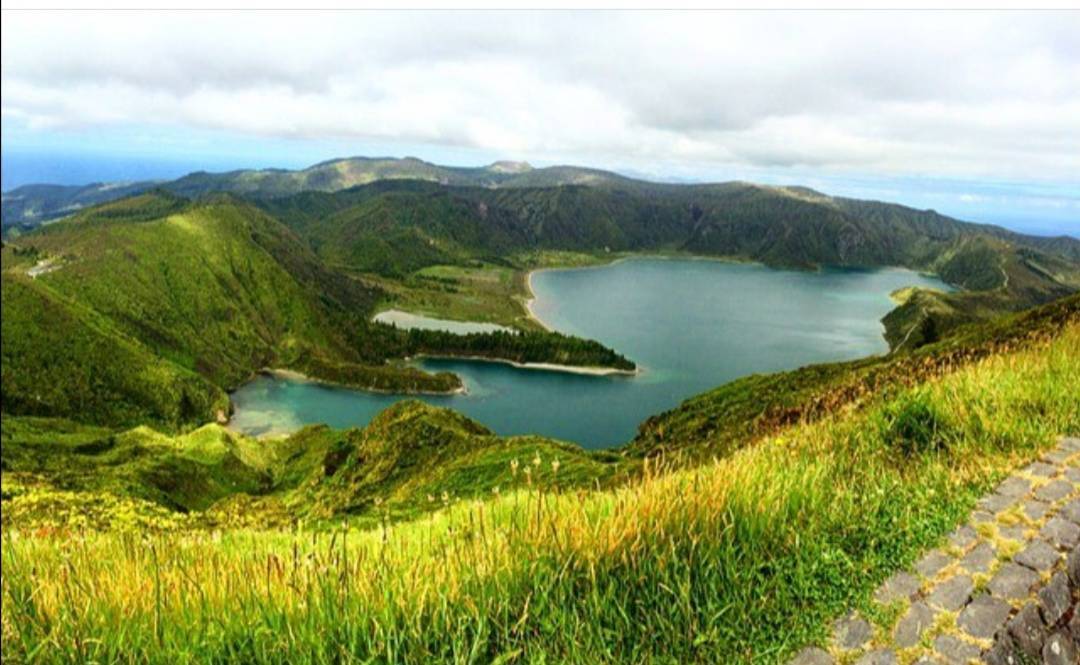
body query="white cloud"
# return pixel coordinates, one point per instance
(969, 93)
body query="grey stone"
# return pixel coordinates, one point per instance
(812, 656)
(1055, 598)
(962, 537)
(1014, 486)
(996, 503)
(1058, 456)
(1054, 491)
(1073, 474)
(851, 632)
(952, 593)
(980, 516)
(901, 586)
(1035, 510)
(1072, 566)
(1074, 624)
(878, 657)
(1002, 653)
(1071, 511)
(980, 558)
(1017, 533)
(983, 616)
(954, 650)
(912, 625)
(1012, 582)
(1060, 650)
(1061, 533)
(932, 563)
(1027, 630)
(1041, 469)
(1038, 556)
(1070, 443)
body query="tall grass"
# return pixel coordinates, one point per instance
(740, 560)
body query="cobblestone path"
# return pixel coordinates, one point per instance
(1003, 590)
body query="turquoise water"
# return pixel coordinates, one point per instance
(690, 324)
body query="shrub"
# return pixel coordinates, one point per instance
(914, 425)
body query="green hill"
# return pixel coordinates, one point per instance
(61, 358)
(411, 458)
(146, 309)
(28, 206)
(215, 290)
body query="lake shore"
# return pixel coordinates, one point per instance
(293, 375)
(532, 299)
(547, 367)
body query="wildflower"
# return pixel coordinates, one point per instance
(513, 467)
(445, 497)
(431, 498)
(536, 460)
(495, 490)
(378, 501)
(555, 466)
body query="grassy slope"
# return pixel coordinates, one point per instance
(61, 358)
(201, 286)
(740, 560)
(410, 459)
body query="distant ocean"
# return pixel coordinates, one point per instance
(54, 168)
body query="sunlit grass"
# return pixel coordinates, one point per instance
(741, 560)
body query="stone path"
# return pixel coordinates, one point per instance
(1003, 590)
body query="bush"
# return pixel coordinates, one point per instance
(914, 425)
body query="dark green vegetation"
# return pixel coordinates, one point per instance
(524, 347)
(146, 309)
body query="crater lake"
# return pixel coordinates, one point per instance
(689, 324)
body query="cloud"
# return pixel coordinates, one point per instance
(975, 94)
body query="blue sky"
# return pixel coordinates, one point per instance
(974, 114)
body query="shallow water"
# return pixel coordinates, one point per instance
(690, 324)
(409, 321)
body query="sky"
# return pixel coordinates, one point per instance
(975, 114)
